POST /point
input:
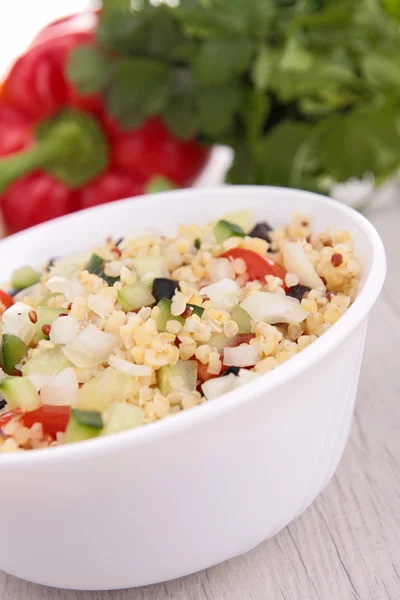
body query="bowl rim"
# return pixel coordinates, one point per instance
(233, 399)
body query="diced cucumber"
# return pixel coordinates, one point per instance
(197, 310)
(49, 362)
(96, 267)
(187, 369)
(20, 393)
(95, 264)
(148, 268)
(13, 350)
(90, 418)
(105, 388)
(46, 316)
(225, 229)
(242, 218)
(242, 318)
(134, 296)
(24, 277)
(122, 416)
(78, 432)
(165, 315)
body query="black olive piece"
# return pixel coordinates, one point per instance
(119, 240)
(298, 291)
(13, 292)
(3, 403)
(234, 370)
(262, 230)
(51, 262)
(164, 288)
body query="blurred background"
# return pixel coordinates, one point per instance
(148, 95)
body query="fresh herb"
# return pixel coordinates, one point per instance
(305, 91)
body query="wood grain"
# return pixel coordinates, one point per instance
(347, 545)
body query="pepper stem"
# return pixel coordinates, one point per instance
(71, 146)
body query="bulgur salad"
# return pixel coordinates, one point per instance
(147, 326)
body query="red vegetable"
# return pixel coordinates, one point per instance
(5, 301)
(257, 266)
(62, 151)
(52, 418)
(11, 414)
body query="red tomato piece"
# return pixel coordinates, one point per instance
(6, 300)
(257, 266)
(52, 418)
(11, 414)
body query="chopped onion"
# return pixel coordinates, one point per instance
(274, 308)
(91, 347)
(70, 264)
(221, 268)
(101, 305)
(70, 288)
(296, 261)
(60, 389)
(129, 368)
(245, 355)
(38, 380)
(219, 385)
(246, 376)
(64, 330)
(16, 321)
(225, 292)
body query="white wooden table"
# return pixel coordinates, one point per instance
(347, 545)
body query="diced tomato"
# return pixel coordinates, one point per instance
(53, 418)
(202, 373)
(257, 266)
(5, 301)
(11, 414)
(242, 338)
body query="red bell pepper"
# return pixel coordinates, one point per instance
(60, 149)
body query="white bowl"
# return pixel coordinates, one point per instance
(180, 495)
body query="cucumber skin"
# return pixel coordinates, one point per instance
(76, 432)
(13, 350)
(223, 230)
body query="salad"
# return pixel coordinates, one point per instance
(147, 326)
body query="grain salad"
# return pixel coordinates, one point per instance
(146, 326)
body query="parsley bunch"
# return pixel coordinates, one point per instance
(307, 92)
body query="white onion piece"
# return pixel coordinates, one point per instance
(129, 368)
(70, 288)
(296, 261)
(60, 389)
(70, 264)
(101, 305)
(246, 376)
(91, 347)
(225, 292)
(38, 380)
(64, 330)
(221, 268)
(218, 386)
(17, 322)
(274, 308)
(245, 355)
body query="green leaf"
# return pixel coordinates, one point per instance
(218, 60)
(295, 58)
(382, 70)
(277, 153)
(89, 69)
(139, 88)
(262, 68)
(243, 169)
(180, 113)
(352, 145)
(217, 106)
(255, 112)
(393, 8)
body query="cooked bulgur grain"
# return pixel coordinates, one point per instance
(98, 353)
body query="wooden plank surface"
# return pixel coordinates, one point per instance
(347, 544)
